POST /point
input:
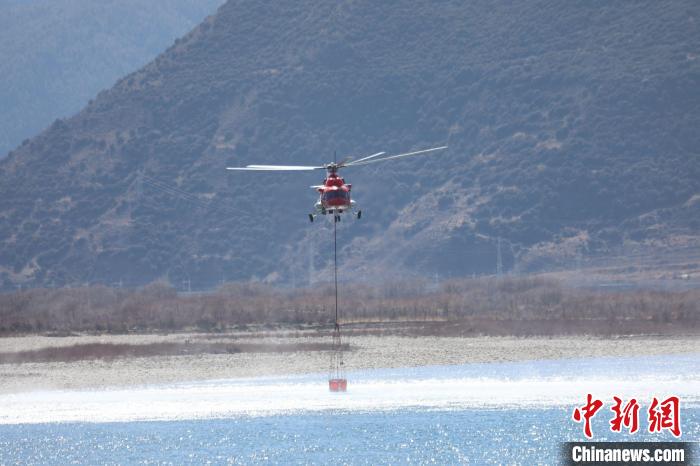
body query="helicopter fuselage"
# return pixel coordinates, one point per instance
(334, 195)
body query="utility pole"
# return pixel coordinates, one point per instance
(499, 259)
(311, 263)
(139, 186)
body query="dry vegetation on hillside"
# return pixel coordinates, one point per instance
(490, 306)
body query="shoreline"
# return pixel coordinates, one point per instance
(365, 352)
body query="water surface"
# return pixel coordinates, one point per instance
(476, 413)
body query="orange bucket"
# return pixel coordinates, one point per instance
(338, 385)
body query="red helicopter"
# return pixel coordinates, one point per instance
(334, 193)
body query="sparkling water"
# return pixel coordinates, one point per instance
(514, 413)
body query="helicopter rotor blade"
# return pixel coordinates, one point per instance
(348, 161)
(406, 154)
(275, 168)
(364, 160)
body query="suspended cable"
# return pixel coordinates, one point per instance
(336, 381)
(335, 269)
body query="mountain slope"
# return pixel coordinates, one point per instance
(56, 55)
(572, 130)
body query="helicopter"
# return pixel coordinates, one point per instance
(334, 193)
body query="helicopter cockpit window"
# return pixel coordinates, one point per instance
(337, 194)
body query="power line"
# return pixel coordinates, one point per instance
(186, 196)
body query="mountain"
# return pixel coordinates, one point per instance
(572, 131)
(56, 55)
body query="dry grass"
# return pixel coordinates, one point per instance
(110, 351)
(508, 306)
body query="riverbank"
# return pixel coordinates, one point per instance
(204, 356)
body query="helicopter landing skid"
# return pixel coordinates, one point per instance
(336, 213)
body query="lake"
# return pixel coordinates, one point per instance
(477, 413)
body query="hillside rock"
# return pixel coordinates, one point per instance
(572, 130)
